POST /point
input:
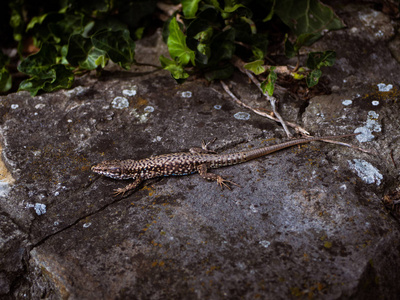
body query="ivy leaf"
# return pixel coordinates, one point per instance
(307, 16)
(289, 48)
(271, 12)
(189, 8)
(177, 45)
(220, 72)
(38, 63)
(300, 74)
(316, 60)
(223, 46)
(78, 49)
(118, 45)
(313, 78)
(5, 80)
(230, 9)
(176, 69)
(56, 77)
(257, 66)
(268, 85)
(5, 77)
(95, 58)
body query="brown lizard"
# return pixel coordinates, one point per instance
(185, 163)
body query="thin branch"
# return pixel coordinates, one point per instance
(264, 113)
(351, 146)
(240, 65)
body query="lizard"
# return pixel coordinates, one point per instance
(197, 160)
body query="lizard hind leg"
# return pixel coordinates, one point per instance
(202, 169)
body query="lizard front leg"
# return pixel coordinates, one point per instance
(129, 187)
(202, 169)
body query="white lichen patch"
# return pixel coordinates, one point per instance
(120, 102)
(148, 109)
(157, 139)
(186, 94)
(141, 117)
(367, 172)
(347, 102)
(39, 208)
(86, 225)
(371, 125)
(242, 116)
(384, 88)
(265, 244)
(130, 92)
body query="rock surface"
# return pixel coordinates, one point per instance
(307, 222)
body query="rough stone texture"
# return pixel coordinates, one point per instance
(304, 224)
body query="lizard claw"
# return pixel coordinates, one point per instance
(224, 183)
(118, 192)
(204, 146)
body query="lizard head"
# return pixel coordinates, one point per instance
(112, 168)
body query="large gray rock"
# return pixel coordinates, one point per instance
(306, 222)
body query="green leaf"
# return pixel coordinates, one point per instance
(257, 66)
(258, 53)
(230, 9)
(118, 45)
(300, 74)
(17, 21)
(316, 60)
(78, 49)
(268, 85)
(176, 69)
(189, 8)
(223, 46)
(5, 77)
(81, 52)
(271, 12)
(215, 3)
(205, 35)
(177, 47)
(306, 39)
(252, 25)
(95, 58)
(204, 49)
(56, 77)
(38, 64)
(313, 78)
(307, 16)
(36, 20)
(220, 72)
(289, 48)
(5, 80)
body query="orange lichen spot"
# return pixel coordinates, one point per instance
(141, 102)
(306, 257)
